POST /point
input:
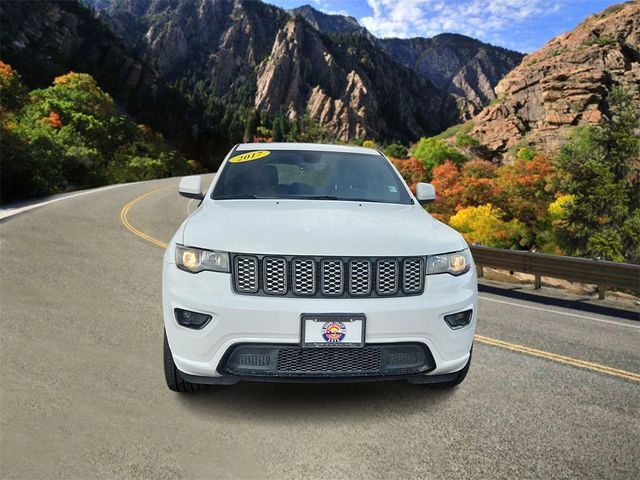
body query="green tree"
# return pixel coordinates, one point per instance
(396, 150)
(251, 125)
(433, 152)
(600, 168)
(278, 129)
(71, 135)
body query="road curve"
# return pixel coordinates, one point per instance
(553, 391)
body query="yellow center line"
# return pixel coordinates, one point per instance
(554, 357)
(125, 221)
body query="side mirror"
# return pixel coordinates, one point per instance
(191, 187)
(425, 193)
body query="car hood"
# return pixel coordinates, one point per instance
(318, 227)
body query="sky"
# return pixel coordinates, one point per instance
(522, 25)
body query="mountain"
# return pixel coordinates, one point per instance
(256, 55)
(224, 70)
(564, 84)
(44, 40)
(459, 65)
(328, 23)
(349, 86)
(462, 66)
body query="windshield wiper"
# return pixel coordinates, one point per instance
(235, 197)
(342, 199)
(317, 197)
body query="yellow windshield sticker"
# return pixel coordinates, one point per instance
(247, 157)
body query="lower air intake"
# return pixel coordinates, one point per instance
(267, 360)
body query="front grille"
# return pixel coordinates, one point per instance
(304, 276)
(328, 277)
(360, 278)
(274, 271)
(246, 270)
(286, 360)
(412, 275)
(318, 360)
(387, 277)
(332, 277)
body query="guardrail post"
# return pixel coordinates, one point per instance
(480, 271)
(537, 282)
(601, 290)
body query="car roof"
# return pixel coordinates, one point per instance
(314, 147)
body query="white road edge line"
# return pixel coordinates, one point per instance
(10, 212)
(602, 320)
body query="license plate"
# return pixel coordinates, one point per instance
(333, 330)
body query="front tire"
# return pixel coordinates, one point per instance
(171, 374)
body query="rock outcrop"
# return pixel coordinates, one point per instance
(254, 54)
(328, 23)
(45, 39)
(459, 65)
(564, 84)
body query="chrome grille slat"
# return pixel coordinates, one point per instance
(246, 278)
(387, 276)
(332, 277)
(359, 277)
(303, 276)
(274, 275)
(412, 275)
(336, 277)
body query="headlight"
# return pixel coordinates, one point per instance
(455, 263)
(196, 260)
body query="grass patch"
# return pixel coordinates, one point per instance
(600, 41)
(456, 130)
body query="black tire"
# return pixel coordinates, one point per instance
(174, 381)
(461, 375)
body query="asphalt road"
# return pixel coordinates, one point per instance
(553, 390)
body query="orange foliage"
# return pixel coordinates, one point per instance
(53, 119)
(5, 69)
(446, 181)
(526, 188)
(411, 170)
(478, 183)
(66, 78)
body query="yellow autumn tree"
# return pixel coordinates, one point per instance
(484, 225)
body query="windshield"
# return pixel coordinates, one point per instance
(298, 174)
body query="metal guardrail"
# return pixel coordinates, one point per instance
(596, 272)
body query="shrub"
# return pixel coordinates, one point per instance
(411, 170)
(433, 152)
(600, 167)
(484, 225)
(396, 150)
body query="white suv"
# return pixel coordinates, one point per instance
(314, 263)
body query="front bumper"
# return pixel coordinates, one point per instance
(246, 319)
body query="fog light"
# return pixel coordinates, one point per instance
(191, 319)
(459, 320)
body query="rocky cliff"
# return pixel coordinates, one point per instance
(564, 84)
(464, 67)
(252, 53)
(349, 86)
(327, 23)
(45, 39)
(459, 65)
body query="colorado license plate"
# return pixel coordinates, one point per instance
(333, 330)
